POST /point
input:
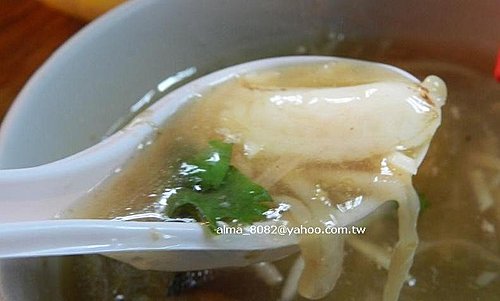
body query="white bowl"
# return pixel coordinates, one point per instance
(96, 76)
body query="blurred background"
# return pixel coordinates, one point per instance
(30, 30)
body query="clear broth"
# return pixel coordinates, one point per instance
(458, 256)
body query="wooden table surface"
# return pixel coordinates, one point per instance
(29, 33)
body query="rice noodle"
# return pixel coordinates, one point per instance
(495, 181)
(268, 273)
(323, 257)
(486, 160)
(479, 251)
(485, 278)
(289, 290)
(338, 133)
(315, 282)
(483, 195)
(404, 162)
(277, 171)
(322, 254)
(402, 257)
(381, 189)
(298, 211)
(375, 253)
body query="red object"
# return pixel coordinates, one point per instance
(497, 67)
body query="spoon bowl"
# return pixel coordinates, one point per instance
(30, 198)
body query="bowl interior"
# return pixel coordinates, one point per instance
(95, 78)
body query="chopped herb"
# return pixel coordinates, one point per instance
(214, 190)
(424, 202)
(208, 168)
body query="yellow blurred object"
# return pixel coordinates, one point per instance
(84, 9)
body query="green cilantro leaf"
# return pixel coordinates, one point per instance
(424, 202)
(209, 168)
(216, 191)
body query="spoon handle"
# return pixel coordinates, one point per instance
(40, 193)
(146, 245)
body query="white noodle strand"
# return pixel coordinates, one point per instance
(268, 273)
(483, 196)
(373, 252)
(404, 252)
(278, 170)
(289, 290)
(486, 160)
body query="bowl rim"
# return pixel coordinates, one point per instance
(69, 49)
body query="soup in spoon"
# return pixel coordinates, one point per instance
(318, 145)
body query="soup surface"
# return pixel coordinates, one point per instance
(458, 256)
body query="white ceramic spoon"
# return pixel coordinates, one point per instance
(31, 198)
